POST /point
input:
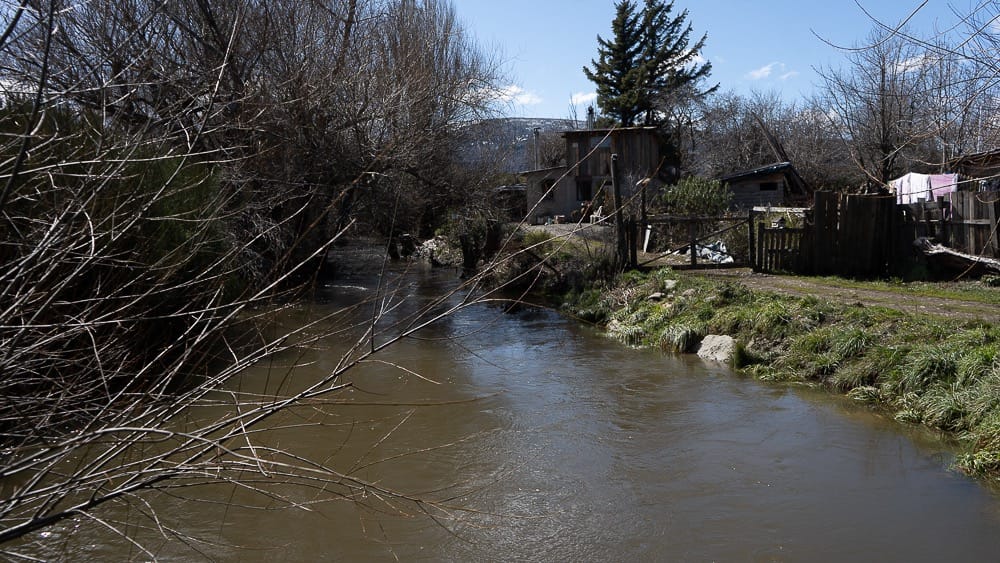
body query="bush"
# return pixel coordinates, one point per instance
(697, 196)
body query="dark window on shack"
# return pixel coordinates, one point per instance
(584, 191)
(768, 186)
(547, 191)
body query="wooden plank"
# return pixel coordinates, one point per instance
(845, 234)
(878, 242)
(693, 242)
(836, 242)
(890, 219)
(760, 246)
(864, 241)
(779, 251)
(958, 231)
(959, 214)
(819, 211)
(975, 236)
(983, 222)
(825, 225)
(765, 209)
(945, 211)
(694, 219)
(772, 259)
(992, 212)
(975, 240)
(851, 224)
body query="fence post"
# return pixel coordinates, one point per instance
(633, 248)
(693, 235)
(751, 248)
(993, 243)
(945, 230)
(621, 252)
(761, 251)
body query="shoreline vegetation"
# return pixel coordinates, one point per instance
(931, 369)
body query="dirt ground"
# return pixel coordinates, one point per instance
(894, 298)
(589, 231)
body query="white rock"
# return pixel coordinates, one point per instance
(717, 348)
(669, 285)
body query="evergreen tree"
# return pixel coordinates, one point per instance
(671, 67)
(617, 72)
(647, 63)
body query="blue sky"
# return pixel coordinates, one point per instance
(766, 45)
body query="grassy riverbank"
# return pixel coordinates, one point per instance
(919, 368)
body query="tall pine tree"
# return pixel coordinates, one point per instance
(647, 63)
(617, 72)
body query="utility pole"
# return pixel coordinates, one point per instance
(538, 165)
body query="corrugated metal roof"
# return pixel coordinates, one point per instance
(761, 171)
(541, 170)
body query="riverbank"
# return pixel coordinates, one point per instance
(934, 368)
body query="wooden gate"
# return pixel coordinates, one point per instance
(780, 249)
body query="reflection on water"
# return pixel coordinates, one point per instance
(534, 438)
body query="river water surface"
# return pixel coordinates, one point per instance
(544, 441)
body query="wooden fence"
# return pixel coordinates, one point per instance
(855, 235)
(872, 236)
(779, 249)
(972, 225)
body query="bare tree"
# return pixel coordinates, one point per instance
(728, 137)
(169, 169)
(876, 103)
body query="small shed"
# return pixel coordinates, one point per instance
(775, 184)
(511, 201)
(983, 169)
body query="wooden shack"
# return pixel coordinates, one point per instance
(979, 171)
(565, 192)
(776, 185)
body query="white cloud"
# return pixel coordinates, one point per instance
(787, 75)
(528, 99)
(995, 25)
(516, 94)
(915, 63)
(765, 71)
(583, 98)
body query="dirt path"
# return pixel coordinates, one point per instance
(909, 298)
(901, 298)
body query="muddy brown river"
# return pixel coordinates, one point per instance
(544, 441)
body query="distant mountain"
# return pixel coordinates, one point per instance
(508, 141)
